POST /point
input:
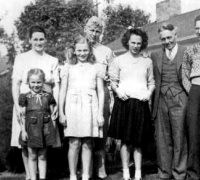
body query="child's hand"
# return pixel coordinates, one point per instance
(111, 104)
(54, 115)
(19, 113)
(121, 94)
(118, 144)
(100, 120)
(147, 96)
(54, 123)
(24, 136)
(108, 143)
(63, 120)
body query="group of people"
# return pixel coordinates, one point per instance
(76, 92)
(79, 96)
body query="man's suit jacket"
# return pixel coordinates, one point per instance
(157, 58)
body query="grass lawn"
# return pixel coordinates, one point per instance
(113, 169)
(11, 176)
(115, 176)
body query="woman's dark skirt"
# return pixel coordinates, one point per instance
(130, 122)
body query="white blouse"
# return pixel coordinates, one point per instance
(29, 60)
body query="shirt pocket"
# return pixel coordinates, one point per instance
(33, 127)
(88, 98)
(47, 126)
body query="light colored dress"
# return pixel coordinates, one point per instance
(23, 63)
(81, 105)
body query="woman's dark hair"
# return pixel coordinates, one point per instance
(72, 58)
(36, 28)
(134, 31)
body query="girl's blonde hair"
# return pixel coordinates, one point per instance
(36, 71)
(71, 56)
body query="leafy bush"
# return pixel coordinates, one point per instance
(62, 21)
(119, 18)
(6, 106)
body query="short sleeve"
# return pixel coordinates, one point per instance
(100, 71)
(64, 71)
(113, 70)
(110, 56)
(23, 100)
(18, 68)
(150, 76)
(52, 101)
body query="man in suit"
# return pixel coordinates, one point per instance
(169, 105)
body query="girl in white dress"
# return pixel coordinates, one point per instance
(81, 104)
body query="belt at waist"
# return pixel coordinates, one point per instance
(83, 95)
(38, 110)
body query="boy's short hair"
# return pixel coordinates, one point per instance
(94, 21)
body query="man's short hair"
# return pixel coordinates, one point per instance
(166, 26)
(196, 19)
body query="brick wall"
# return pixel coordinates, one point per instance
(167, 9)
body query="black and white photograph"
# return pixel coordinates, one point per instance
(99, 90)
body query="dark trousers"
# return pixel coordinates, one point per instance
(171, 136)
(100, 143)
(193, 125)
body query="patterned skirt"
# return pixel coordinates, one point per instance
(130, 122)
